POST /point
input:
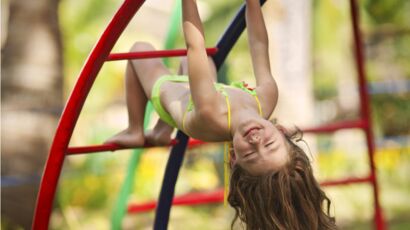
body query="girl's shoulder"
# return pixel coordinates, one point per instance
(268, 97)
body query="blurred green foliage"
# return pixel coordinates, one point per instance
(392, 114)
(382, 12)
(386, 29)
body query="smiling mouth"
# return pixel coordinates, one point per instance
(250, 130)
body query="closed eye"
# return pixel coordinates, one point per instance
(269, 144)
(248, 154)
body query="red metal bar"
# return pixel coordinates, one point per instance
(347, 181)
(218, 195)
(114, 147)
(155, 54)
(188, 199)
(93, 149)
(337, 126)
(379, 221)
(73, 108)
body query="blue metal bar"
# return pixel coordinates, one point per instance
(231, 36)
(170, 178)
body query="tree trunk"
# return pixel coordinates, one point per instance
(292, 61)
(31, 93)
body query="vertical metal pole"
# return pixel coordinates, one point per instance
(365, 112)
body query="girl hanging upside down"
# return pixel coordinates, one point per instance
(272, 184)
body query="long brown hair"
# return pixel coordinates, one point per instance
(287, 199)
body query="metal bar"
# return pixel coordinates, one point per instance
(379, 221)
(337, 126)
(119, 210)
(184, 200)
(231, 35)
(218, 195)
(347, 181)
(155, 54)
(73, 108)
(114, 147)
(93, 149)
(168, 184)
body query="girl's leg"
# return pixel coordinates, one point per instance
(140, 76)
(136, 101)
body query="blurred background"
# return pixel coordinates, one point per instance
(44, 44)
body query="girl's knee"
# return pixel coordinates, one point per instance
(142, 46)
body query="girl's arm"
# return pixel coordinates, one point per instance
(200, 75)
(259, 49)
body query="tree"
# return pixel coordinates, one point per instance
(31, 93)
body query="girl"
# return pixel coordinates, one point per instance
(272, 185)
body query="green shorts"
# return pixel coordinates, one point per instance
(155, 97)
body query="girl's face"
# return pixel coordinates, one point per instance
(259, 147)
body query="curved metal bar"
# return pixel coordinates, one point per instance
(170, 178)
(120, 208)
(73, 108)
(224, 46)
(231, 35)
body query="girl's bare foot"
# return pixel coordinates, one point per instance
(128, 138)
(160, 135)
(158, 138)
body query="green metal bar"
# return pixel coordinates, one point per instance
(121, 206)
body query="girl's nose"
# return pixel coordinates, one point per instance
(254, 138)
